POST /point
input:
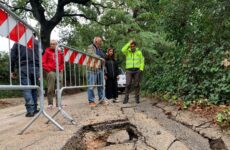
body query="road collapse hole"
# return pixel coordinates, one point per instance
(102, 135)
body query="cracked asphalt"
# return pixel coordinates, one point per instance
(179, 130)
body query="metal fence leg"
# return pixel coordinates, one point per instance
(47, 116)
(29, 124)
(53, 121)
(53, 116)
(67, 116)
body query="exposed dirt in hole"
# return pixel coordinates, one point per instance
(217, 144)
(95, 136)
(98, 142)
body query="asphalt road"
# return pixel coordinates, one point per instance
(154, 128)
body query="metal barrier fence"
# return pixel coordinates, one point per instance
(81, 70)
(26, 56)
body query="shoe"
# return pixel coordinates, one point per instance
(92, 104)
(115, 100)
(137, 99)
(29, 114)
(50, 107)
(126, 100)
(104, 102)
(36, 111)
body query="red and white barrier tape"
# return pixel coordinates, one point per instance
(80, 58)
(15, 30)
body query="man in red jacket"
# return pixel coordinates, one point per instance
(49, 66)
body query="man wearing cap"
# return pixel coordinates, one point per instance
(134, 68)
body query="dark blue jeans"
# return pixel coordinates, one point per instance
(30, 95)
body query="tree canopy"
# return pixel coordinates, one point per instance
(186, 43)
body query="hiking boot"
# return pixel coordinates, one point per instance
(115, 100)
(126, 100)
(92, 104)
(137, 99)
(29, 114)
(36, 111)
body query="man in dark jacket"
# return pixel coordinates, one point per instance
(27, 62)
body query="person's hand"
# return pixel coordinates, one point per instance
(131, 41)
(103, 61)
(13, 75)
(106, 77)
(118, 77)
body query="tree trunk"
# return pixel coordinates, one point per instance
(45, 36)
(48, 25)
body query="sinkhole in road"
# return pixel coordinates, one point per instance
(102, 135)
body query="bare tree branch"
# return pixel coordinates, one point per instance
(60, 10)
(79, 15)
(82, 2)
(38, 11)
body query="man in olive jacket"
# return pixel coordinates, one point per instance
(134, 68)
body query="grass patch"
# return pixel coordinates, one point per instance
(10, 94)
